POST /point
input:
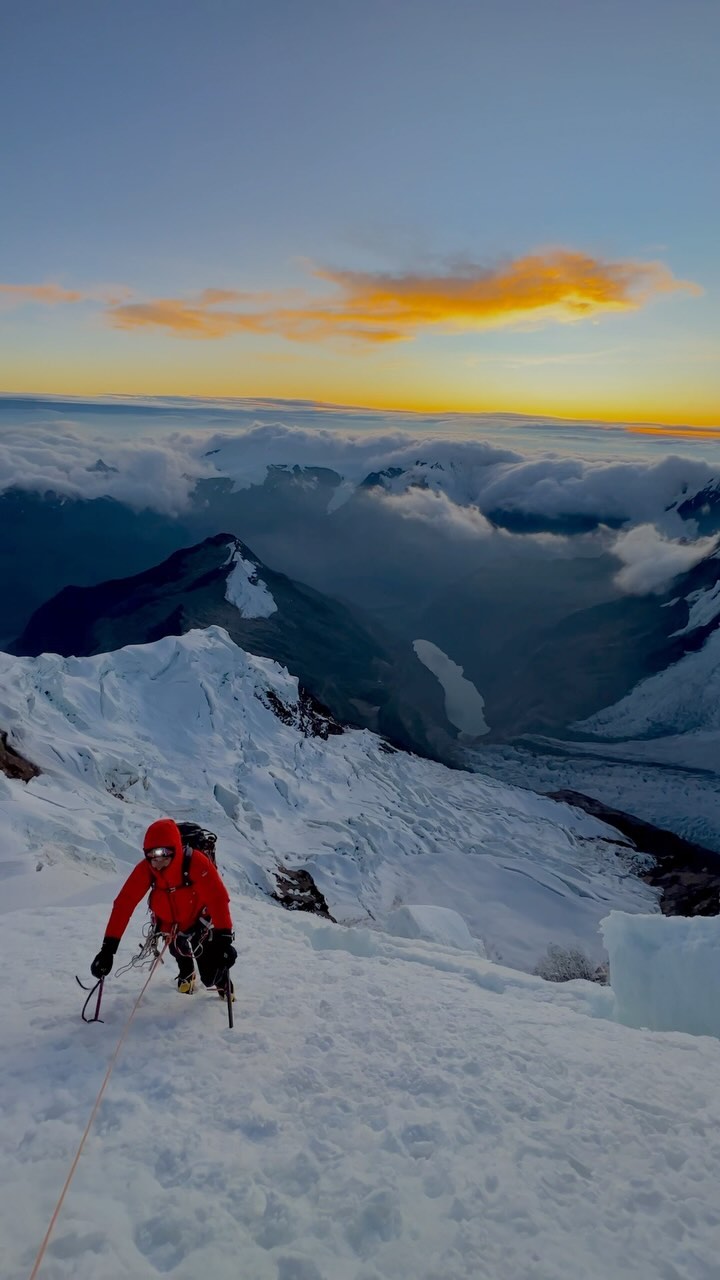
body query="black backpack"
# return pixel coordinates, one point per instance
(195, 837)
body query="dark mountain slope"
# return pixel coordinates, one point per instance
(595, 656)
(363, 680)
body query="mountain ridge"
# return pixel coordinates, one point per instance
(340, 660)
(186, 726)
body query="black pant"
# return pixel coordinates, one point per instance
(199, 945)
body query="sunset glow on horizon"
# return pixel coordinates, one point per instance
(338, 207)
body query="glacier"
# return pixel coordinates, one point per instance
(187, 726)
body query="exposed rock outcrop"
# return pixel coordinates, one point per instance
(12, 764)
(309, 716)
(297, 891)
(687, 874)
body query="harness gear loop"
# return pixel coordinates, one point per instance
(148, 950)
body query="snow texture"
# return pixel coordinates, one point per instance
(185, 727)
(656, 752)
(665, 971)
(670, 782)
(683, 699)
(247, 591)
(704, 609)
(433, 924)
(417, 1114)
(385, 1108)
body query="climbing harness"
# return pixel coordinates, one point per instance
(191, 941)
(150, 949)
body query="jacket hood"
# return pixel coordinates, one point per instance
(163, 833)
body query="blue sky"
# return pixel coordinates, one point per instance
(159, 150)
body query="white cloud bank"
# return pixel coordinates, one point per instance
(469, 472)
(159, 474)
(159, 470)
(651, 560)
(432, 507)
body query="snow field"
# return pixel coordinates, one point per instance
(184, 727)
(386, 1108)
(411, 1115)
(669, 782)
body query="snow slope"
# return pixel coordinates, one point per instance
(186, 726)
(670, 782)
(247, 591)
(385, 1108)
(678, 703)
(402, 1114)
(654, 752)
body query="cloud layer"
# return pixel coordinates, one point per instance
(651, 560)
(62, 458)
(437, 509)
(454, 483)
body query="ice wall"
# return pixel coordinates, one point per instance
(665, 971)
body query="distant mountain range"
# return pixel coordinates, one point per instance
(365, 680)
(547, 640)
(596, 656)
(583, 687)
(194, 726)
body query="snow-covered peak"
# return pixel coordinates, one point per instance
(197, 728)
(245, 589)
(360, 676)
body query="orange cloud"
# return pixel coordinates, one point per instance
(560, 286)
(694, 433)
(190, 320)
(50, 294)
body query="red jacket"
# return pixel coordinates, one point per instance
(170, 902)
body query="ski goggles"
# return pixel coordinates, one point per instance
(156, 855)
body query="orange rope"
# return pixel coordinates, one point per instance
(93, 1113)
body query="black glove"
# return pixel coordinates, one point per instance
(226, 953)
(103, 962)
